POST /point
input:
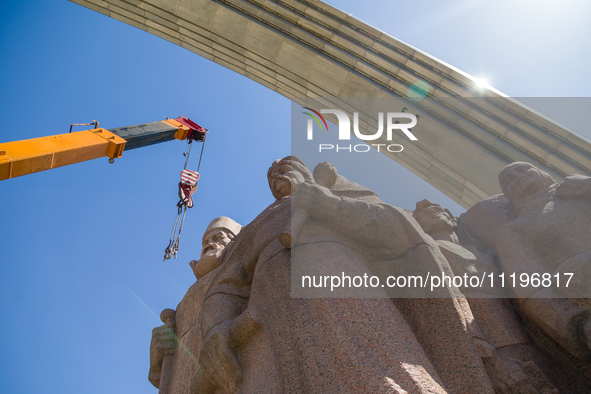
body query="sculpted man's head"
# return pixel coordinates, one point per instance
(433, 218)
(286, 175)
(220, 232)
(521, 180)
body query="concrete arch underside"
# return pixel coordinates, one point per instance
(309, 49)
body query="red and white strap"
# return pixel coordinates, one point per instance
(188, 186)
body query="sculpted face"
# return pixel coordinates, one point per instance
(433, 218)
(520, 180)
(220, 232)
(214, 244)
(284, 177)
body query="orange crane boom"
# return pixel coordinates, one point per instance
(39, 154)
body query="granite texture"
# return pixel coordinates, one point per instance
(516, 365)
(181, 339)
(242, 328)
(319, 345)
(539, 226)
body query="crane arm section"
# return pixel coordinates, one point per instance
(39, 154)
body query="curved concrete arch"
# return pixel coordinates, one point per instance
(308, 49)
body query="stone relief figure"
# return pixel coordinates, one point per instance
(183, 341)
(258, 339)
(550, 235)
(538, 226)
(512, 361)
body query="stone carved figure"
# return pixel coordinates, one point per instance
(219, 233)
(550, 235)
(184, 340)
(538, 226)
(512, 360)
(258, 339)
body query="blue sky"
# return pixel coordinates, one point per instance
(82, 279)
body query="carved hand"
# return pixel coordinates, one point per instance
(164, 342)
(507, 376)
(219, 362)
(575, 186)
(561, 319)
(316, 200)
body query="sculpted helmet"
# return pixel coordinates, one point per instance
(225, 223)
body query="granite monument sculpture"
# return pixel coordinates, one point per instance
(181, 339)
(245, 330)
(540, 229)
(516, 361)
(260, 339)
